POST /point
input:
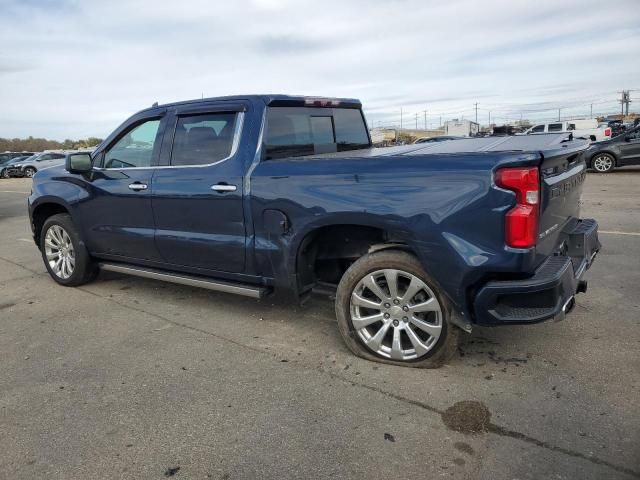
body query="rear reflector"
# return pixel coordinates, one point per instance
(521, 222)
(607, 132)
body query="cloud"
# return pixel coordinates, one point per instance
(72, 68)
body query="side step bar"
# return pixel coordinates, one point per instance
(217, 285)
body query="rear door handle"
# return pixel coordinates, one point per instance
(137, 186)
(222, 187)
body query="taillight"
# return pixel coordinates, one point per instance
(521, 222)
(607, 132)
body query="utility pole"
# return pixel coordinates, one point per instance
(400, 119)
(558, 114)
(625, 100)
(489, 118)
(440, 121)
(416, 121)
(425, 119)
(591, 111)
(476, 104)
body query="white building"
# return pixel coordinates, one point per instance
(461, 128)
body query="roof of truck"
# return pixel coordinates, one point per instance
(267, 99)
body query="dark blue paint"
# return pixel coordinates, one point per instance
(449, 213)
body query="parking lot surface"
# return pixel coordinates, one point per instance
(133, 378)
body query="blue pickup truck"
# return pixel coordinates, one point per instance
(282, 195)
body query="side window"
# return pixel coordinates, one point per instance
(302, 131)
(135, 149)
(203, 139)
(48, 156)
(537, 129)
(351, 130)
(571, 127)
(555, 127)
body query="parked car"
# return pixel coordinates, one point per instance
(261, 195)
(620, 151)
(442, 138)
(579, 128)
(29, 166)
(7, 164)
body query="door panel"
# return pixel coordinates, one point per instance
(197, 201)
(630, 149)
(118, 219)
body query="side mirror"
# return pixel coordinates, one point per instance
(78, 163)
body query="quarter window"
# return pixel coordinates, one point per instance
(537, 129)
(555, 127)
(203, 139)
(135, 149)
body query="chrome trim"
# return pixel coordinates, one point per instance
(138, 186)
(234, 148)
(224, 188)
(219, 286)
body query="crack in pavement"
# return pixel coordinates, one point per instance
(491, 427)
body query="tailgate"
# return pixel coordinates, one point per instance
(562, 177)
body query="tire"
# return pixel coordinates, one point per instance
(603, 162)
(3, 173)
(29, 172)
(376, 341)
(60, 238)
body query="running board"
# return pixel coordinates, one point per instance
(217, 285)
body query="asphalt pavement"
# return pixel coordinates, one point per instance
(133, 378)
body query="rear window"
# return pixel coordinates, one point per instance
(300, 131)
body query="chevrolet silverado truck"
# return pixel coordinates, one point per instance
(282, 195)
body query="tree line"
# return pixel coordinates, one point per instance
(31, 144)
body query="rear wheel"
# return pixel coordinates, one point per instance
(3, 173)
(29, 172)
(64, 253)
(389, 310)
(603, 163)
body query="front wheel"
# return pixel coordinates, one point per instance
(603, 163)
(64, 253)
(29, 172)
(389, 310)
(3, 173)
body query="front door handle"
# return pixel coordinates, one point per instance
(223, 187)
(137, 186)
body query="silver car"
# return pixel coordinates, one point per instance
(29, 167)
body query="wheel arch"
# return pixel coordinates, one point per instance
(326, 251)
(41, 212)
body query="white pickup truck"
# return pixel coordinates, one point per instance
(588, 129)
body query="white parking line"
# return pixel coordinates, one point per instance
(11, 191)
(616, 232)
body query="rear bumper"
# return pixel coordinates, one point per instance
(549, 292)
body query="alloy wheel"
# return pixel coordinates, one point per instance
(396, 314)
(29, 172)
(602, 163)
(59, 252)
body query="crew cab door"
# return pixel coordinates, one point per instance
(117, 217)
(197, 194)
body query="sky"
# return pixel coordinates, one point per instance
(73, 69)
